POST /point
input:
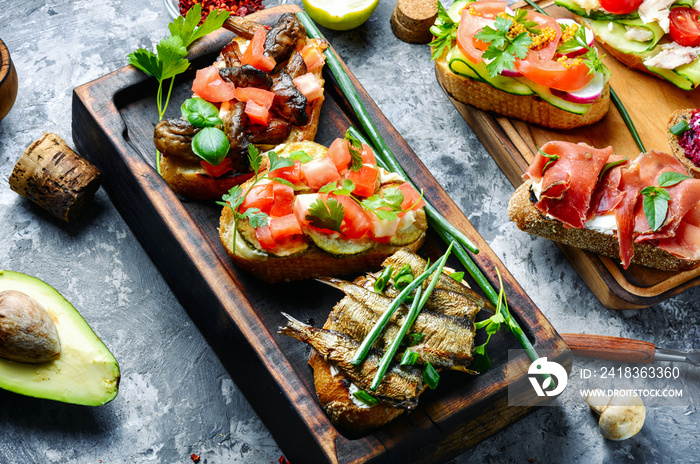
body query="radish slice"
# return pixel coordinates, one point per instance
(513, 73)
(587, 94)
(575, 51)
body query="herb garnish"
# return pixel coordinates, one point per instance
(210, 143)
(680, 127)
(235, 196)
(170, 57)
(503, 49)
(355, 148)
(656, 199)
(444, 30)
(579, 40)
(328, 215)
(552, 159)
(609, 166)
(482, 363)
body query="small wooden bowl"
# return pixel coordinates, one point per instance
(8, 81)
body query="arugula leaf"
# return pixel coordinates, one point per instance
(327, 215)
(444, 29)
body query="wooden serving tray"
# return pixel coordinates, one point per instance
(650, 102)
(113, 120)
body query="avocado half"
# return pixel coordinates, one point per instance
(84, 373)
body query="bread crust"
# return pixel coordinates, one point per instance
(677, 151)
(522, 211)
(529, 108)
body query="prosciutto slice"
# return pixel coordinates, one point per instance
(685, 244)
(607, 194)
(568, 182)
(630, 186)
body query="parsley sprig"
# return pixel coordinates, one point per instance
(503, 49)
(591, 57)
(656, 199)
(444, 30)
(171, 52)
(234, 198)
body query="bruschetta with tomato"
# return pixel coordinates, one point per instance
(520, 64)
(642, 211)
(660, 37)
(265, 88)
(314, 211)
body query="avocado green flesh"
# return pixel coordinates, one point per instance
(85, 373)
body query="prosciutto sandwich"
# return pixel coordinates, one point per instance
(643, 211)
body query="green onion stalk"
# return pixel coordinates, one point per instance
(613, 96)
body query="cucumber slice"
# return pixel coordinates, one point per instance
(549, 97)
(616, 37)
(457, 63)
(506, 84)
(674, 77)
(455, 11)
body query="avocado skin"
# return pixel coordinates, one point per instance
(85, 372)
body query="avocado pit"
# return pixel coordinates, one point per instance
(27, 332)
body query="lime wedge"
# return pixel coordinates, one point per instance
(340, 15)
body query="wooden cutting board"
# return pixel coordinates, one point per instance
(650, 102)
(113, 121)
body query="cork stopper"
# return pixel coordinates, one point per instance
(412, 19)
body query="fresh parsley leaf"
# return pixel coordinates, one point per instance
(355, 148)
(146, 61)
(172, 53)
(255, 158)
(496, 37)
(186, 28)
(520, 16)
(670, 178)
(301, 156)
(327, 215)
(444, 29)
(387, 206)
(346, 188)
(502, 49)
(256, 217)
(278, 162)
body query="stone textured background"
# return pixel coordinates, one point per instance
(176, 398)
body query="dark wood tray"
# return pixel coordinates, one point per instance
(650, 102)
(113, 120)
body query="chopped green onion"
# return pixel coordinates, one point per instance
(458, 276)
(365, 397)
(378, 327)
(417, 305)
(431, 376)
(403, 277)
(680, 127)
(412, 339)
(383, 279)
(350, 92)
(409, 358)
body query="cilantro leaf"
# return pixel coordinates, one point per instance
(256, 217)
(255, 158)
(502, 49)
(326, 215)
(278, 162)
(355, 148)
(496, 37)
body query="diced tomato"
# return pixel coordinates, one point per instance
(411, 198)
(484, 14)
(339, 152)
(319, 172)
(264, 236)
(291, 173)
(313, 57)
(355, 224)
(284, 226)
(283, 199)
(685, 26)
(257, 114)
(260, 196)
(368, 155)
(260, 96)
(365, 180)
(254, 54)
(217, 171)
(209, 85)
(556, 75)
(309, 86)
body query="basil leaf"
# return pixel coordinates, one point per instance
(200, 113)
(669, 178)
(211, 144)
(655, 208)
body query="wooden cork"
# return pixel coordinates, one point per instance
(56, 178)
(412, 19)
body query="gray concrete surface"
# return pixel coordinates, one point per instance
(175, 398)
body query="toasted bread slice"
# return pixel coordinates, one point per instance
(677, 151)
(529, 108)
(522, 211)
